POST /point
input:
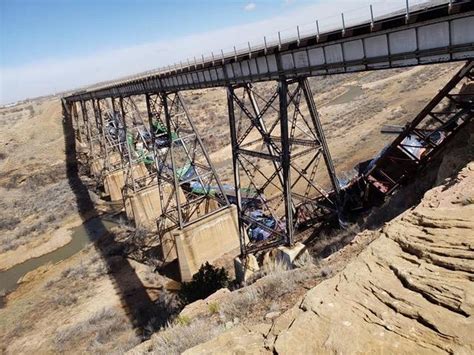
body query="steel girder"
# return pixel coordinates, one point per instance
(188, 183)
(422, 139)
(277, 200)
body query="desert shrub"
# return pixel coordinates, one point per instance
(165, 308)
(177, 338)
(241, 303)
(276, 285)
(213, 307)
(183, 320)
(65, 299)
(9, 223)
(208, 280)
(77, 272)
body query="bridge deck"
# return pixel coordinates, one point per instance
(432, 35)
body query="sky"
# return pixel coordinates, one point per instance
(49, 46)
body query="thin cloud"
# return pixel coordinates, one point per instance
(250, 6)
(50, 76)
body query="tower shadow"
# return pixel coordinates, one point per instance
(144, 314)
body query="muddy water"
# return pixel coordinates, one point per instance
(352, 93)
(81, 236)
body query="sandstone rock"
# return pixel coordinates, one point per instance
(269, 259)
(271, 315)
(199, 307)
(409, 291)
(244, 270)
(238, 340)
(288, 256)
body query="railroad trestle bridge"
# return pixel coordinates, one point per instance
(284, 177)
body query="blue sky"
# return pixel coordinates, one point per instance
(48, 46)
(37, 29)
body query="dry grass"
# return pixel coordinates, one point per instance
(241, 303)
(273, 282)
(44, 209)
(177, 338)
(104, 330)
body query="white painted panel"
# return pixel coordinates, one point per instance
(272, 64)
(230, 72)
(253, 66)
(220, 73)
(462, 30)
(287, 61)
(262, 65)
(333, 54)
(245, 68)
(200, 76)
(195, 78)
(433, 36)
(376, 46)
(190, 78)
(237, 70)
(213, 74)
(353, 50)
(316, 56)
(403, 41)
(207, 75)
(301, 59)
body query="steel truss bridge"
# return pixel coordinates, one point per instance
(278, 126)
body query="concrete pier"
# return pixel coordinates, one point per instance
(97, 165)
(144, 207)
(114, 182)
(206, 240)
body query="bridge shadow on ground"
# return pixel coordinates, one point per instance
(145, 314)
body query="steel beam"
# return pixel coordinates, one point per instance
(281, 200)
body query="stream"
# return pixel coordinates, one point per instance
(82, 235)
(353, 91)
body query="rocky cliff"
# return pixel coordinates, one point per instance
(411, 290)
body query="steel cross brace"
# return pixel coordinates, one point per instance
(181, 160)
(288, 153)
